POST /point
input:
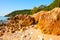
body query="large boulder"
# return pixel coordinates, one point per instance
(49, 22)
(27, 20)
(37, 15)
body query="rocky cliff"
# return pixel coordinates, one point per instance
(32, 27)
(49, 22)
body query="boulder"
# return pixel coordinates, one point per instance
(49, 22)
(28, 20)
(37, 15)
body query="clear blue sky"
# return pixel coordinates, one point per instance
(7, 6)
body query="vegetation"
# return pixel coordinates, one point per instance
(19, 12)
(55, 3)
(37, 9)
(29, 11)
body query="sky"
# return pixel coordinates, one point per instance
(7, 6)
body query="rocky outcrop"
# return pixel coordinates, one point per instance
(26, 27)
(49, 22)
(37, 15)
(17, 23)
(24, 20)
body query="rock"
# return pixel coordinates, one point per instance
(24, 20)
(1, 32)
(23, 27)
(28, 21)
(18, 22)
(49, 22)
(37, 15)
(19, 16)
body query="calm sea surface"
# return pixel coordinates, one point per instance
(2, 18)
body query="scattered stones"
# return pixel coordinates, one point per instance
(18, 22)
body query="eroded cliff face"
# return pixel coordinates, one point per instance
(49, 22)
(37, 15)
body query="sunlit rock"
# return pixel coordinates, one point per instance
(49, 22)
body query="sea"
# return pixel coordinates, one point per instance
(3, 19)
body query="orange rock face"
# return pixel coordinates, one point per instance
(49, 22)
(37, 15)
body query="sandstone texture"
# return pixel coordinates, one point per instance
(49, 22)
